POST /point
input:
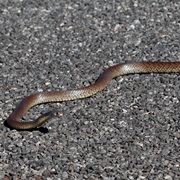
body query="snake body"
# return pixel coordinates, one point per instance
(14, 120)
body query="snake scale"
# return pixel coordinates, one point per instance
(14, 120)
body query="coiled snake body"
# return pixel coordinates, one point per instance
(105, 78)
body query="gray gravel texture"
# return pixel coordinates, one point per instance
(128, 131)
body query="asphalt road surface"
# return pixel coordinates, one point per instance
(130, 130)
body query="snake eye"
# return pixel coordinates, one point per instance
(57, 113)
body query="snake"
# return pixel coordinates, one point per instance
(14, 120)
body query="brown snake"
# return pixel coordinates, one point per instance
(120, 69)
